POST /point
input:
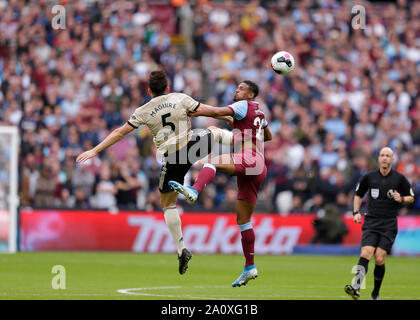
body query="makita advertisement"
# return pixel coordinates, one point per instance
(147, 232)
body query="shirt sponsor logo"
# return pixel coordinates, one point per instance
(374, 193)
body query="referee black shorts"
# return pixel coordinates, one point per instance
(176, 165)
(379, 232)
(383, 239)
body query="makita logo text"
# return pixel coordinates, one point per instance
(221, 237)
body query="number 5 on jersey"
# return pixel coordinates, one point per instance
(167, 123)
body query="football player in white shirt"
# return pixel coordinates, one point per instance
(166, 115)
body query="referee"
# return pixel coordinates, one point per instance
(388, 190)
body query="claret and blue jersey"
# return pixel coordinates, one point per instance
(249, 119)
(247, 111)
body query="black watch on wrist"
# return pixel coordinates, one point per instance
(356, 212)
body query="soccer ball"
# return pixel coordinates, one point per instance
(282, 62)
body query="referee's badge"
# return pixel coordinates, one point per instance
(374, 193)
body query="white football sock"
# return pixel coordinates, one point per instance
(173, 221)
(226, 137)
(222, 136)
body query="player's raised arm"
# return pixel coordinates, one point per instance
(223, 113)
(115, 136)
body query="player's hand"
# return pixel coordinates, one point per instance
(86, 155)
(397, 197)
(357, 218)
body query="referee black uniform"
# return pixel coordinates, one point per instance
(380, 226)
(387, 190)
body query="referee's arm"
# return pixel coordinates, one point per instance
(357, 203)
(402, 199)
(406, 190)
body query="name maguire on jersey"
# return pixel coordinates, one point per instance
(161, 107)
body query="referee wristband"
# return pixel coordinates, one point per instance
(356, 212)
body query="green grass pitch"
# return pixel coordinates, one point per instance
(103, 276)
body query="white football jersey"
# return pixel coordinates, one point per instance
(166, 117)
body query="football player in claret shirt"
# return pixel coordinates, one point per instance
(387, 190)
(247, 163)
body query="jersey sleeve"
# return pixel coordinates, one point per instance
(405, 187)
(189, 103)
(362, 187)
(135, 120)
(265, 123)
(239, 109)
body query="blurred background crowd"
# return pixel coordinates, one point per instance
(353, 91)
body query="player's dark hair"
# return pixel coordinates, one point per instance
(253, 87)
(158, 82)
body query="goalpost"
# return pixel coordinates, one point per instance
(9, 201)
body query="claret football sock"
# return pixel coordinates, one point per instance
(248, 240)
(205, 176)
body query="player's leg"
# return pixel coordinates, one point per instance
(172, 218)
(173, 221)
(244, 210)
(378, 272)
(168, 200)
(248, 187)
(222, 136)
(222, 164)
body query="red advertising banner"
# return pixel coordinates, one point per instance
(147, 232)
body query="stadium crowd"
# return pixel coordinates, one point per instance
(352, 92)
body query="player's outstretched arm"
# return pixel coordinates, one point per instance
(115, 136)
(223, 113)
(210, 111)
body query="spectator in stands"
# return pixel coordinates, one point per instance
(80, 199)
(105, 190)
(84, 179)
(45, 189)
(126, 184)
(30, 175)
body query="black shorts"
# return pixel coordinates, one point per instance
(176, 165)
(379, 233)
